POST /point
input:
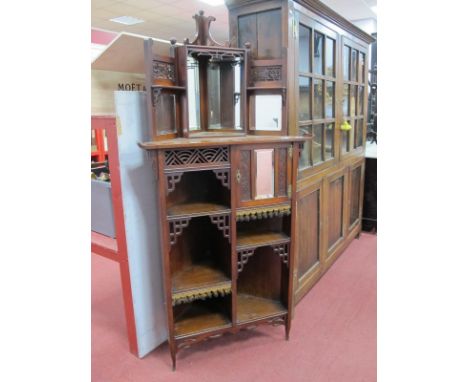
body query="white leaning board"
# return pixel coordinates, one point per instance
(141, 222)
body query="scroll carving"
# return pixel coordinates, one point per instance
(224, 177)
(176, 228)
(282, 250)
(243, 258)
(223, 224)
(163, 71)
(172, 180)
(266, 73)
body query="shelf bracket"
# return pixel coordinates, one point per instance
(223, 176)
(171, 181)
(244, 258)
(223, 223)
(282, 250)
(176, 227)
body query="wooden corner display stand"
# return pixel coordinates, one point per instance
(241, 218)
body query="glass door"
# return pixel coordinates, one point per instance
(317, 77)
(353, 99)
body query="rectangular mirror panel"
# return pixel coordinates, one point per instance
(265, 174)
(165, 117)
(214, 96)
(268, 110)
(193, 94)
(224, 95)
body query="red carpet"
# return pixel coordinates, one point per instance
(333, 336)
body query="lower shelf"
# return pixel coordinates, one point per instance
(252, 308)
(199, 318)
(245, 239)
(199, 281)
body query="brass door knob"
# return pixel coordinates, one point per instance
(345, 126)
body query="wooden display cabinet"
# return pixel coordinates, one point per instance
(255, 164)
(317, 61)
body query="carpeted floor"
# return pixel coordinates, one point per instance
(333, 335)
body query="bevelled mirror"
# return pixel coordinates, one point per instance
(267, 110)
(215, 90)
(264, 174)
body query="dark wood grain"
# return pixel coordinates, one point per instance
(199, 317)
(308, 231)
(197, 276)
(335, 211)
(206, 142)
(252, 308)
(196, 209)
(246, 239)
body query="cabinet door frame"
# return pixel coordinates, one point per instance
(261, 202)
(359, 163)
(302, 284)
(354, 151)
(315, 24)
(330, 252)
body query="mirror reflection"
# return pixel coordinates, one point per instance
(265, 174)
(216, 78)
(193, 94)
(268, 110)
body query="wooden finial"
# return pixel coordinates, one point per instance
(203, 36)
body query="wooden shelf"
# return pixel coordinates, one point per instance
(252, 308)
(199, 318)
(199, 281)
(254, 240)
(195, 209)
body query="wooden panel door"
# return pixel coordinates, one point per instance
(308, 238)
(355, 196)
(336, 189)
(263, 174)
